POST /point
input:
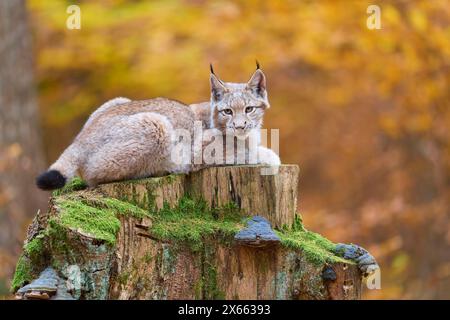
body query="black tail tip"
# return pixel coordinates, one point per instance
(51, 180)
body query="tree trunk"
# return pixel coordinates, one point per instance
(185, 237)
(20, 144)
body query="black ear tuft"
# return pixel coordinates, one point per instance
(257, 84)
(51, 180)
(257, 65)
(218, 88)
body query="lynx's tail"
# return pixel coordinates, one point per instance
(61, 171)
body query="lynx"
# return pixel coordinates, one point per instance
(126, 139)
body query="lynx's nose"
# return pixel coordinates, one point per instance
(240, 125)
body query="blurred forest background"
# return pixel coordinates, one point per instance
(365, 113)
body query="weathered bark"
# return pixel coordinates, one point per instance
(141, 262)
(20, 144)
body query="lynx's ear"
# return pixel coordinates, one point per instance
(257, 84)
(218, 88)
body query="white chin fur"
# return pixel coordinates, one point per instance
(241, 134)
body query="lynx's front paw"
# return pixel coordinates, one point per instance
(268, 157)
(271, 159)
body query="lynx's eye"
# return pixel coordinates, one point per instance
(227, 111)
(249, 109)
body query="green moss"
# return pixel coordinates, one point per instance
(23, 274)
(119, 207)
(75, 184)
(101, 224)
(211, 288)
(148, 257)
(154, 181)
(207, 286)
(94, 214)
(123, 277)
(57, 235)
(198, 289)
(191, 221)
(172, 177)
(35, 247)
(33, 258)
(317, 249)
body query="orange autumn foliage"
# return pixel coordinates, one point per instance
(365, 113)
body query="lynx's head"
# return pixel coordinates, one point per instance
(238, 108)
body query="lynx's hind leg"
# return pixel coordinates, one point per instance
(141, 148)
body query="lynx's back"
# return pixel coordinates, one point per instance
(177, 113)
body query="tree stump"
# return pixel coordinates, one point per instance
(182, 237)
